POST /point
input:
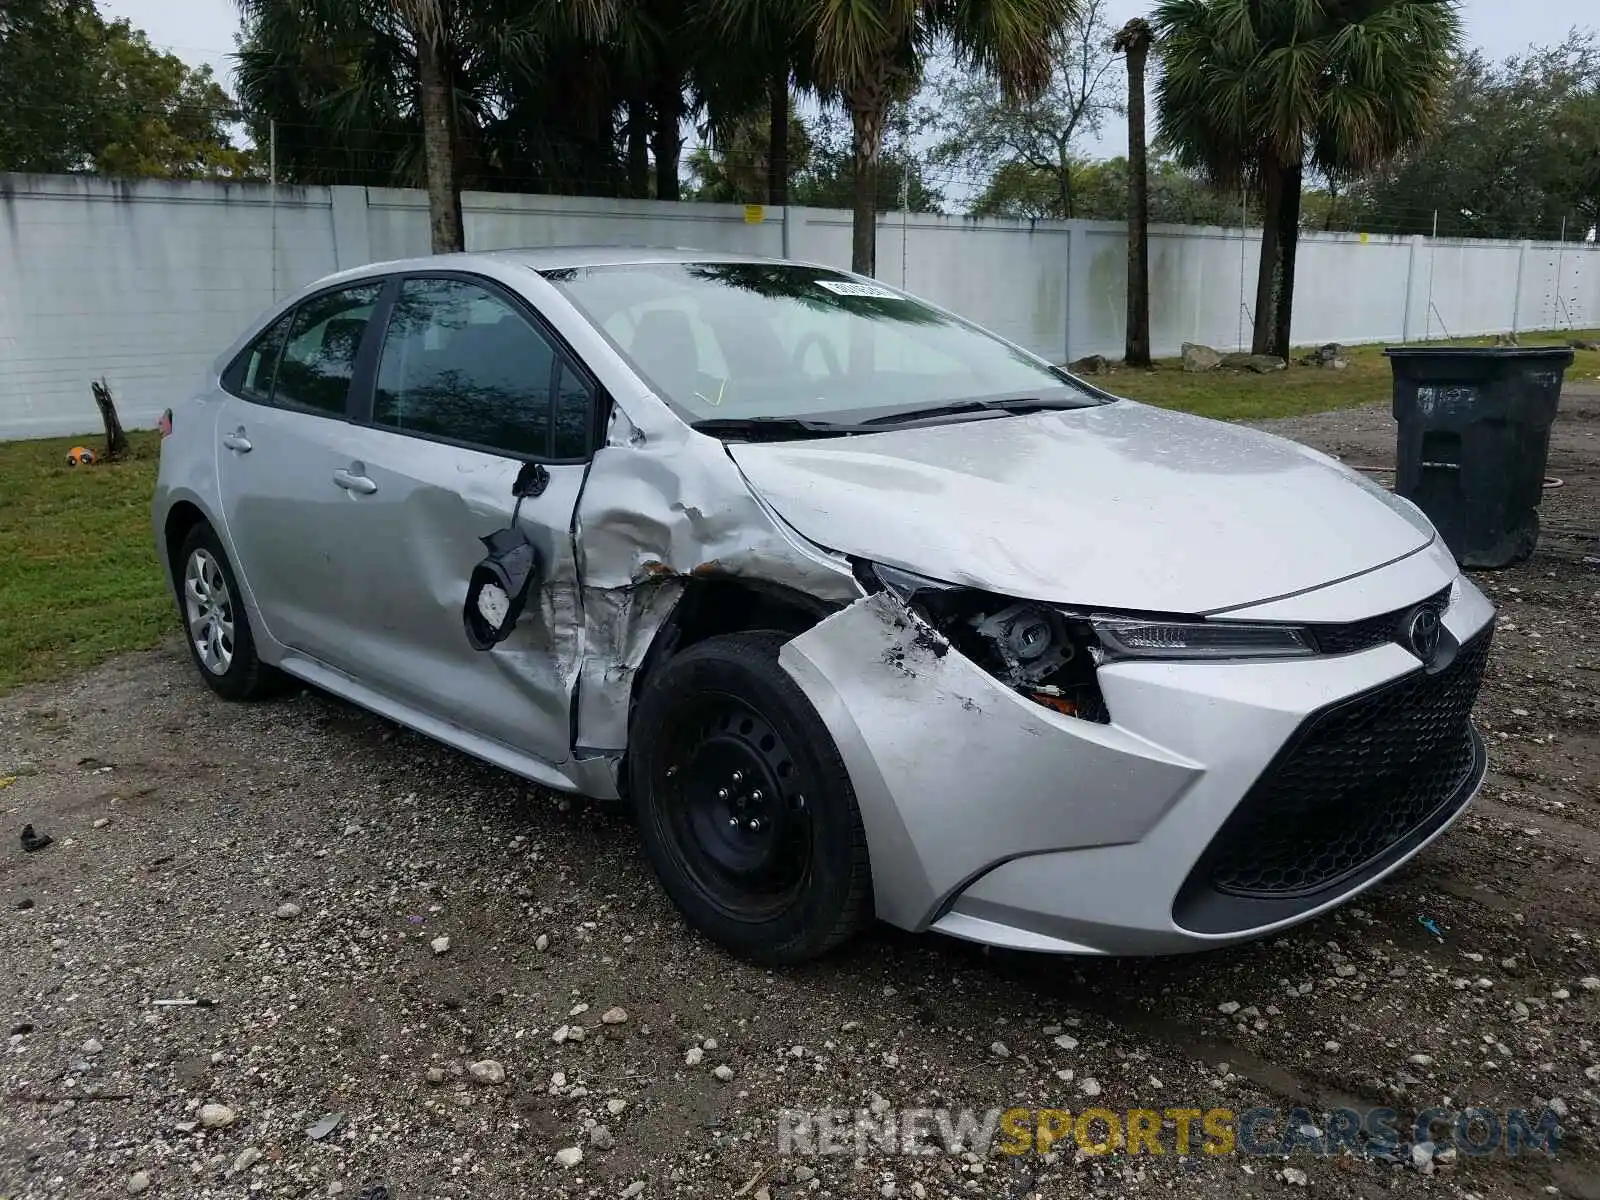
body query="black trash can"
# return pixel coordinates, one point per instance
(1474, 436)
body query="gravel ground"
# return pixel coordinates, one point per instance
(295, 867)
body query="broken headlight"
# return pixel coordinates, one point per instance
(1039, 651)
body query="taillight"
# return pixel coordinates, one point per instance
(165, 424)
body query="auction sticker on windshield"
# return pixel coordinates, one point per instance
(845, 287)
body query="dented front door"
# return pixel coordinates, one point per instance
(421, 530)
(467, 392)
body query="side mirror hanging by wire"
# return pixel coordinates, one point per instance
(497, 590)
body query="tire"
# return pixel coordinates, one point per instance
(744, 806)
(215, 625)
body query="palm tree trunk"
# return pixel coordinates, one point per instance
(668, 136)
(778, 140)
(639, 148)
(439, 150)
(1288, 243)
(869, 103)
(1136, 346)
(1271, 255)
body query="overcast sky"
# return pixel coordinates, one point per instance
(202, 31)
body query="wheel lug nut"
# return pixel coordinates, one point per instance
(755, 825)
(738, 776)
(757, 796)
(733, 821)
(722, 793)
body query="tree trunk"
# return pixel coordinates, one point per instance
(869, 102)
(669, 137)
(1271, 254)
(1288, 245)
(1136, 347)
(778, 140)
(439, 150)
(116, 439)
(639, 148)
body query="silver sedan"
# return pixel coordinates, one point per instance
(865, 611)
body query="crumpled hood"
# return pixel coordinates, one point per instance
(1121, 506)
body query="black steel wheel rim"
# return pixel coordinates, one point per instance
(731, 806)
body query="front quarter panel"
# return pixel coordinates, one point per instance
(187, 472)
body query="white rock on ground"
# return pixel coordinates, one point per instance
(441, 945)
(287, 911)
(723, 1072)
(693, 1056)
(570, 1157)
(248, 1157)
(614, 1016)
(138, 1182)
(216, 1116)
(487, 1072)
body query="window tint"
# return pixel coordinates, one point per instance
(574, 410)
(458, 362)
(251, 374)
(320, 357)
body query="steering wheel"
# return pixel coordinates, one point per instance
(830, 356)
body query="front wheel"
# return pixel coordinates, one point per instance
(744, 806)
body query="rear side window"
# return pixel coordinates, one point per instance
(250, 375)
(461, 363)
(319, 358)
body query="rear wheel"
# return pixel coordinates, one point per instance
(216, 626)
(744, 806)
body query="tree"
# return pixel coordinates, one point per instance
(1515, 154)
(1252, 91)
(870, 53)
(737, 167)
(983, 129)
(93, 95)
(1176, 195)
(442, 92)
(1134, 41)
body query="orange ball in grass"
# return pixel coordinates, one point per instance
(80, 456)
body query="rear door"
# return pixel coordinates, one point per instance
(469, 389)
(284, 445)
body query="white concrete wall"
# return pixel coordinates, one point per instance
(144, 283)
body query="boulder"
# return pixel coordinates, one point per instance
(1198, 358)
(1263, 364)
(1090, 364)
(1239, 360)
(1583, 344)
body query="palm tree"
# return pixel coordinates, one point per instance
(364, 73)
(868, 53)
(1252, 91)
(1134, 40)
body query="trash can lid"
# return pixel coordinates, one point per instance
(1563, 353)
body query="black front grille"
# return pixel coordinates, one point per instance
(1359, 781)
(1355, 636)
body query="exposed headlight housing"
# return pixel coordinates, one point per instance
(1042, 652)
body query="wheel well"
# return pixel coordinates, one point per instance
(182, 517)
(710, 607)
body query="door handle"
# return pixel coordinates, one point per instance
(353, 480)
(237, 441)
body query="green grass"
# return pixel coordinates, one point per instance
(1244, 395)
(78, 575)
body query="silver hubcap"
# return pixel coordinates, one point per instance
(209, 609)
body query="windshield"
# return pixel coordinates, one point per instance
(774, 341)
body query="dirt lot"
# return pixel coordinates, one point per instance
(289, 865)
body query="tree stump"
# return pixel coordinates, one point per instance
(116, 439)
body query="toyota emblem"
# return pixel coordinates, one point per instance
(1423, 631)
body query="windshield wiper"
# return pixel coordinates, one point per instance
(995, 406)
(773, 428)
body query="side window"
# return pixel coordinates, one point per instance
(319, 358)
(460, 363)
(574, 414)
(250, 375)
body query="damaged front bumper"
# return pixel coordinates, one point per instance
(995, 819)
